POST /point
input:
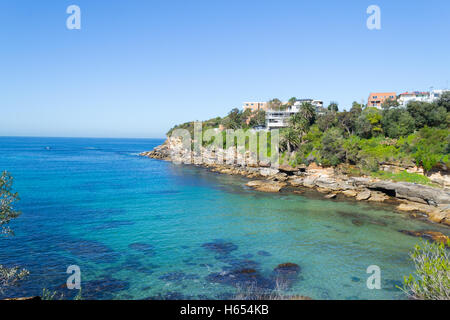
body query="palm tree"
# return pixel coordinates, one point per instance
(290, 138)
(308, 111)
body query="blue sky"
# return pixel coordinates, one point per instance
(136, 68)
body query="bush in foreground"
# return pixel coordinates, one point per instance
(432, 271)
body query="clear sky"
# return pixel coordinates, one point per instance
(136, 68)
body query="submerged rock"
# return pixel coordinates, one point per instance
(220, 246)
(264, 253)
(436, 236)
(243, 278)
(286, 274)
(142, 247)
(91, 250)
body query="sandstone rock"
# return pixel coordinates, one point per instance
(264, 164)
(324, 190)
(331, 196)
(413, 192)
(266, 186)
(298, 182)
(279, 177)
(349, 193)
(287, 168)
(363, 195)
(254, 183)
(377, 196)
(266, 172)
(309, 182)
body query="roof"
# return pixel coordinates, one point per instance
(414, 93)
(382, 94)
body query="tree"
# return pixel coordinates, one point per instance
(397, 122)
(332, 150)
(327, 120)
(297, 122)
(427, 114)
(291, 101)
(369, 123)
(308, 111)
(356, 108)
(274, 104)
(290, 139)
(444, 101)
(7, 200)
(347, 121)
(333, 106)
(432, 270)
(8, 276)
(233, 120)
(258, 118)
(390, 103)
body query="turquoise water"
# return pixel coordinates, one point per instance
(142, 228)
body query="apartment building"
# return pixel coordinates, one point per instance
(378, 98)
(422, 96)
(276, 119)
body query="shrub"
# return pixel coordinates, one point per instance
(432, 271)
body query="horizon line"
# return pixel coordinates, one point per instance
(80, 137)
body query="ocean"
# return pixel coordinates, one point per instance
(140, 228)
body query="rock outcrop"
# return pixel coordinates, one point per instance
(266, 186)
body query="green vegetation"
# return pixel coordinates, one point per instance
(403, 176)
(367, 137)
(432, 271)
(53, 295)
(363, 136)
(8, 276)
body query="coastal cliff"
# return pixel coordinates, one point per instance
(332, 182)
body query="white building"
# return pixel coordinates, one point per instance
(436, 94)
(276, 119)
(406, 97)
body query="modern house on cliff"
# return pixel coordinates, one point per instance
(276, 119)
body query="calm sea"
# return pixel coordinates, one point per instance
(140, 228)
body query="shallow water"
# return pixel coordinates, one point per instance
(142, 228)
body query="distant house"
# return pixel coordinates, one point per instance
(422, 96)
(436, 94)
(378, 98)
(405, 97)
(276, 119)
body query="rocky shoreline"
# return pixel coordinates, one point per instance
(408, 197)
